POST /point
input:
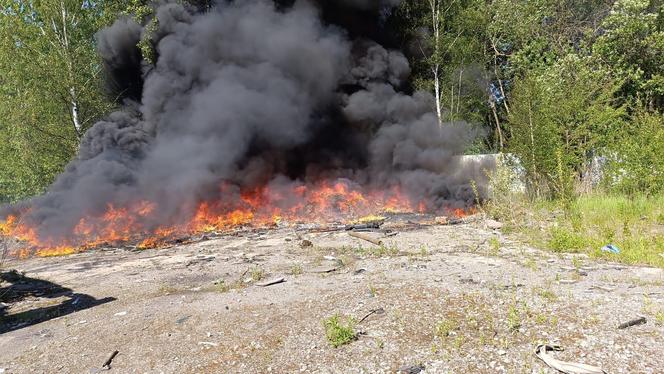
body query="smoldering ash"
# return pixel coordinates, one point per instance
(251, 111)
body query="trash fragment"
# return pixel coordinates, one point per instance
(323, 269)
(564, 366)
(359, 271)
(271, 282)
(493, 224)
(210, 344)
(410, 369)
(634, 322)
(602, 288)
(441, 220)
(468, 280)
(364, 226)
(107, 363)
(182, 320)
(611, 249)
(119, 314)
(365, 237)
(567, 281)
(372, 311)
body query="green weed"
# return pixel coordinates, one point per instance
(338, 333)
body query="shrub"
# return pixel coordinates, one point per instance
(637, 162)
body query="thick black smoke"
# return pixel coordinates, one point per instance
(250, 93)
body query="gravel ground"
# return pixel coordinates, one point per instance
(452, 299)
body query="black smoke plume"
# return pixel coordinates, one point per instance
(250, 93)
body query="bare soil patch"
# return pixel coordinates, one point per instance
(459, 298)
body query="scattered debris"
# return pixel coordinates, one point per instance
(611, 249)
(371, 312)
(119, 314)
(107, 364)
(359, 271)
(468, 280)
(364, 226)
(306, 243)
(634, 322)
(182, 320)
(271, 282)
(493, 224)
(564, 366)
(602, 288)
(323, 269)
(210, 344)
(410, 369)
(391, 234)
(365, 237)
(441, 220)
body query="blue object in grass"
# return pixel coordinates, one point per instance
(611, 248)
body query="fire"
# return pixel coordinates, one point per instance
(265, 206)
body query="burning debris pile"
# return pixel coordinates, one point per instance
(251, 113)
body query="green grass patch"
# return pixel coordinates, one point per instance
(339, 333)
(635, 224)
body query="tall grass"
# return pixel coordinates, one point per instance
(583, 224)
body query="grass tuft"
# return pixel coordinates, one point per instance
(338, 333)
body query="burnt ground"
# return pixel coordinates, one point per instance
(452, 298)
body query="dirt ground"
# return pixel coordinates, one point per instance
(449, 298)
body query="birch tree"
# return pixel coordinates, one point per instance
(50, 90)
(446, 48)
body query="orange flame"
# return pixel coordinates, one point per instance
(260, 207)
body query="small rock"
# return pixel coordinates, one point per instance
(493, 224)
(306, 243)
(410, 369)
(502, 352)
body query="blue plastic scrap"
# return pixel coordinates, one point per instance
(611, 248)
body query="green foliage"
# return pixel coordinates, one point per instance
(50, 89)
(559, 117)
(637, 162)
(630, 223)
(445, 327)
(632, 44)
(451, 47)
(566, 240)
(338, 333)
